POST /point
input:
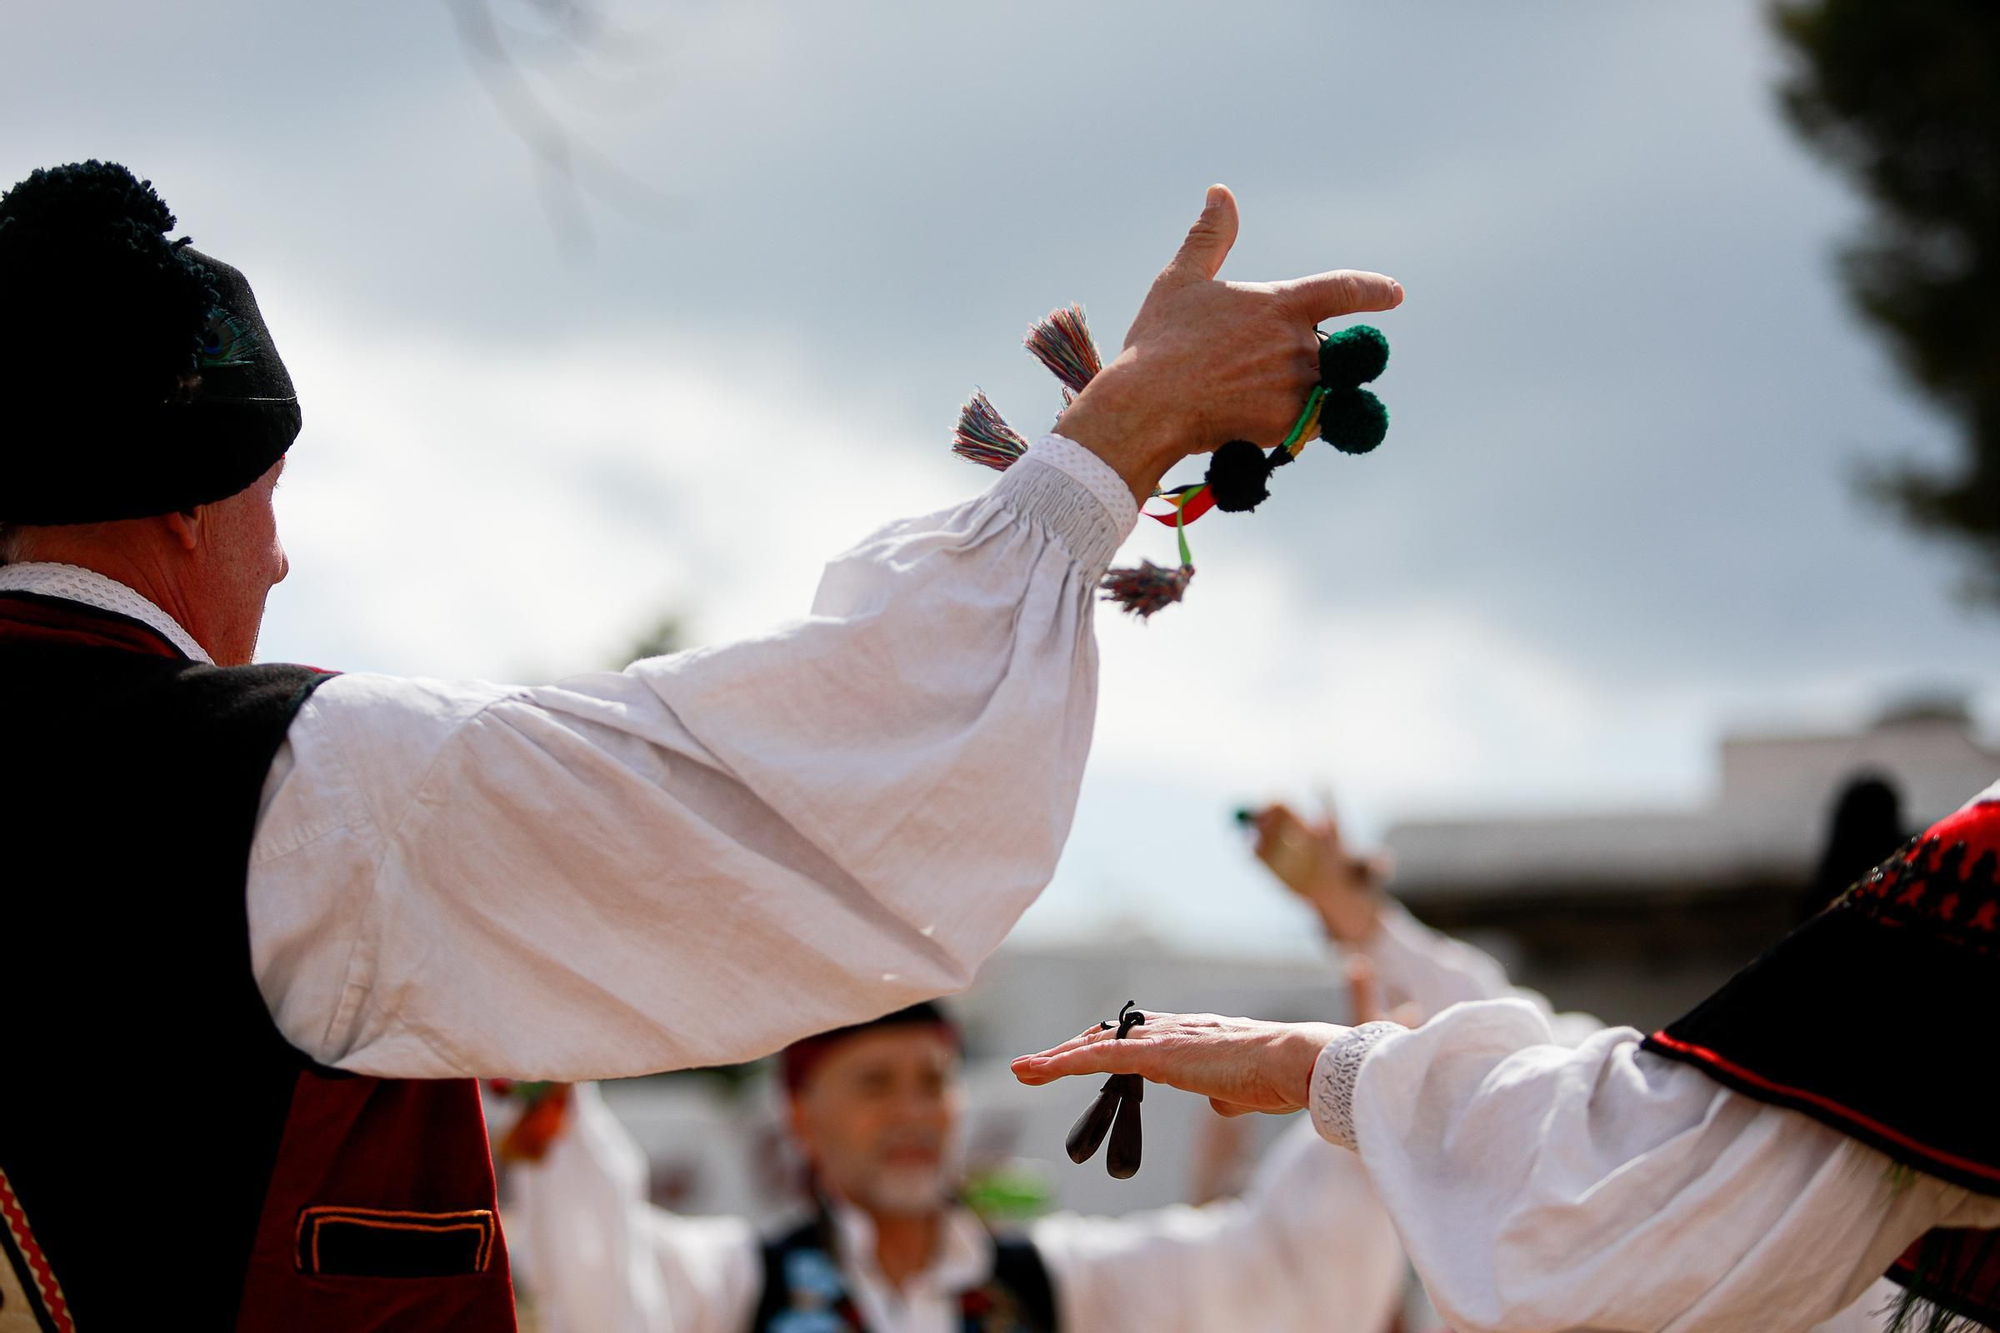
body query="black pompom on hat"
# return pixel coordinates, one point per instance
(146, 379)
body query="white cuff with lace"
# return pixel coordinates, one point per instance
(1331, 1097)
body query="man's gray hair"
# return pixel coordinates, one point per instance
(13, 544)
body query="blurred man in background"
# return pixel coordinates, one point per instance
(876, 1111)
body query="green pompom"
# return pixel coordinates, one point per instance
(1353, 420)
(1352, 356)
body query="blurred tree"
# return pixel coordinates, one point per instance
(1904, 96)
(668, 635)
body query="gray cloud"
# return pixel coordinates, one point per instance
(1627, 398)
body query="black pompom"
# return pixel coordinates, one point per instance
(1353, 420)
(1237, 473)
(1352, 356)
(84, 248)
(86, 195)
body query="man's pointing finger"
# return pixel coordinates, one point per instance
(1341, 292)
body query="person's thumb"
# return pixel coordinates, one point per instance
(1207, 245)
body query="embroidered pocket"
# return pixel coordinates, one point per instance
(381, 1242)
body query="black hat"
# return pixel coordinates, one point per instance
(146, 381)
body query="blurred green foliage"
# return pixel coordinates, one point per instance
(1904, 97)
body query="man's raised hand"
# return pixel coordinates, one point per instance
(1207, 361)
(1312, 861)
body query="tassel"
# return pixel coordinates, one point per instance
(984, 437)
(1148, 588)
(1062, 342)
(1946, 1288)
(1347, 416)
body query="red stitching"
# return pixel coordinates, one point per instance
(45, 1276)
(477, 1219)
(1707, 1056)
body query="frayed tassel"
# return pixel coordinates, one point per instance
(1148, 588)
(1912, 1313)
(984, 437)
(1062, 342)
(1946, 1289)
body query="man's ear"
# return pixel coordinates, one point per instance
(186, 526)
(797, 1122)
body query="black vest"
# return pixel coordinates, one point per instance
(146, 1086)
(804, 1292)
(167, 1158)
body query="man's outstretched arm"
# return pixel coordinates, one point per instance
(1538, 1186)
(706, 856)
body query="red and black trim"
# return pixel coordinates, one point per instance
(25, 1273)
(1873, 1017)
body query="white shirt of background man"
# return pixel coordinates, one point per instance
(1305, 1249)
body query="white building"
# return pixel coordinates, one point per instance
(1636, 916)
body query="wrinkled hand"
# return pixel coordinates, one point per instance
(1312, 861)
(1239, 1064)
(1207, 362)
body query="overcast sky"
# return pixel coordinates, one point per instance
(1613, 517)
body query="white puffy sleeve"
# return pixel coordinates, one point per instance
(702, 857)
(1541, 1186)
(596, 1257)
(1306, 1247)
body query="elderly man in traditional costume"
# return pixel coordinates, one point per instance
(297, 913)
(1760, 1163)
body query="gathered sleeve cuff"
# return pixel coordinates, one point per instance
(1335, 1074)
